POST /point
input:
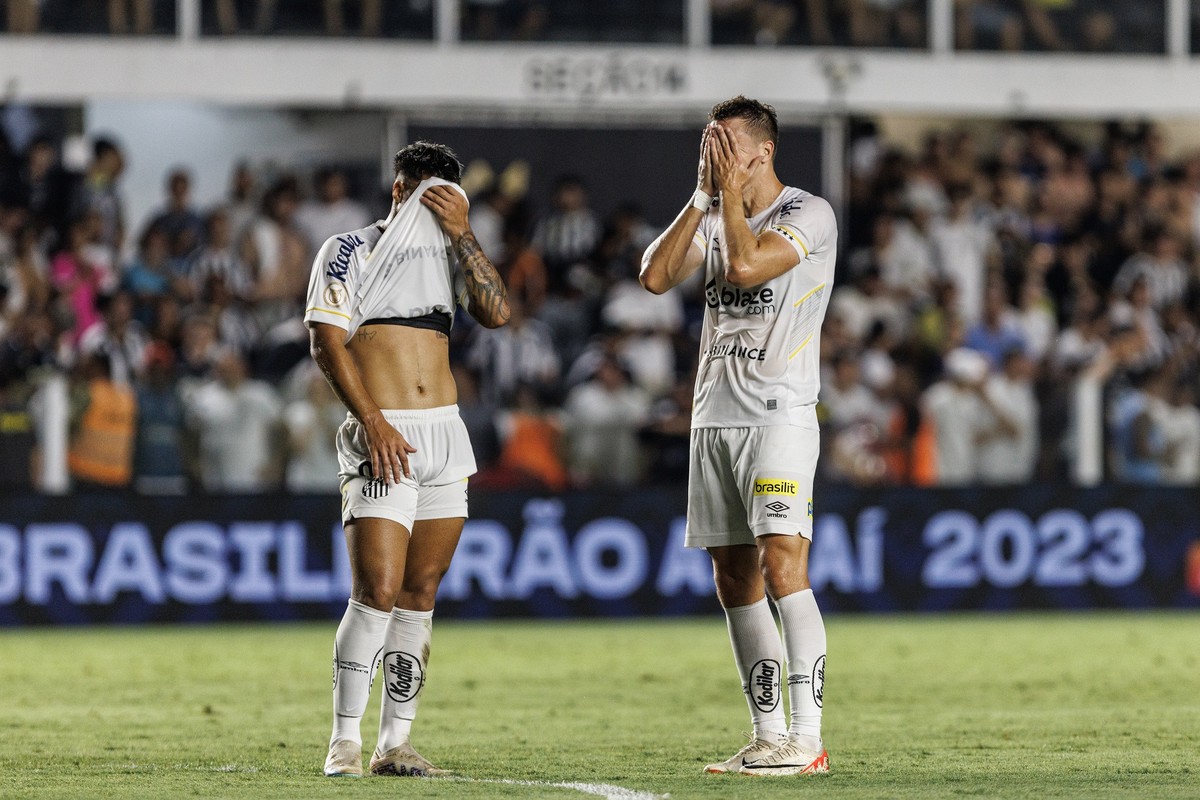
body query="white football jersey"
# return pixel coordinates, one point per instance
(406, 271)
(759, 346)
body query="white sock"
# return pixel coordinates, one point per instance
(405, 658)
(758, 653)
(356, 651)
(804, 640)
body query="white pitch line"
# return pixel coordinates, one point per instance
(605, 790)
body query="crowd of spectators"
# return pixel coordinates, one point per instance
(183, 340)
(821, 23)
(987, 282)
(1095, 26)
(1086, 26)
(367, 18)
(981, 281)
(188, 361)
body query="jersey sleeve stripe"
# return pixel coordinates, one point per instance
(792, 234)
(326, 311)
(699, 240)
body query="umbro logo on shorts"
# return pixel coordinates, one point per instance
(376, 488)
(777, 507)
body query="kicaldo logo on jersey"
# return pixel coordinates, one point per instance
(754, 301)
(764, 486)
(337, 267)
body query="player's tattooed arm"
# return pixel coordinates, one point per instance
(489, 298)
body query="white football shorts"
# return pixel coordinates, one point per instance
(748, 482)
(440, 468)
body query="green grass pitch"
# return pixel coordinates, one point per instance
(1026, 705)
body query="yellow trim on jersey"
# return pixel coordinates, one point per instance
(803, 344)
(810, 294)
(796, 304)
(778, 227)
(327, 311)
(700, 240)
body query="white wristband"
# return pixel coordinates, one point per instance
(701, 201)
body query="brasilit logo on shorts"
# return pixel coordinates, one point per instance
(775, 486)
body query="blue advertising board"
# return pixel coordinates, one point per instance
(107, 558)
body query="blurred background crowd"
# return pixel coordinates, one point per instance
(984, 278)
(1096, 26)
(1015, 301)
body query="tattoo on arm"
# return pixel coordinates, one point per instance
(488, 297)
(331, 376)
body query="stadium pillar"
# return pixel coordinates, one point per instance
(53, 435)
(187, 19)
(697, 23)
(447, 22)
(838, 72)
(1178, 20)
(833, 163)
(1087, 401)
(941, 26)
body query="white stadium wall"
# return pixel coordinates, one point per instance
(594, 80)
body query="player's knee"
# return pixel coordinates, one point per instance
(784, 570)
(422, 600)
(781, 583)
(737, 585)
(420, 588)
(380, 595)
(729, 589)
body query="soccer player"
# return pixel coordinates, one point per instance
(380, 304)
(768, 253)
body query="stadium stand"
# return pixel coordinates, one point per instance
(1065, 256)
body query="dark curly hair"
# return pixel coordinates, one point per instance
(423, 160)
(760, 117)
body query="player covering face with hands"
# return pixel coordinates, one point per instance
(768, 252)
(380, 305)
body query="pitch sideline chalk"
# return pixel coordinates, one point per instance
(605, 790)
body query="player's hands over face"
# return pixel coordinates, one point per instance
(449, 206)
(704, 172)
(732, 168)
(389, 451)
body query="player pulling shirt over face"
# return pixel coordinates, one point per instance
(404, 275)
(380, 306)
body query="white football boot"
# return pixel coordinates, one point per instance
(404, 761)
(344, 759)
(790, 758)
(759, 745)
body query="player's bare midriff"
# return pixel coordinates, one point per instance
(404, 368)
